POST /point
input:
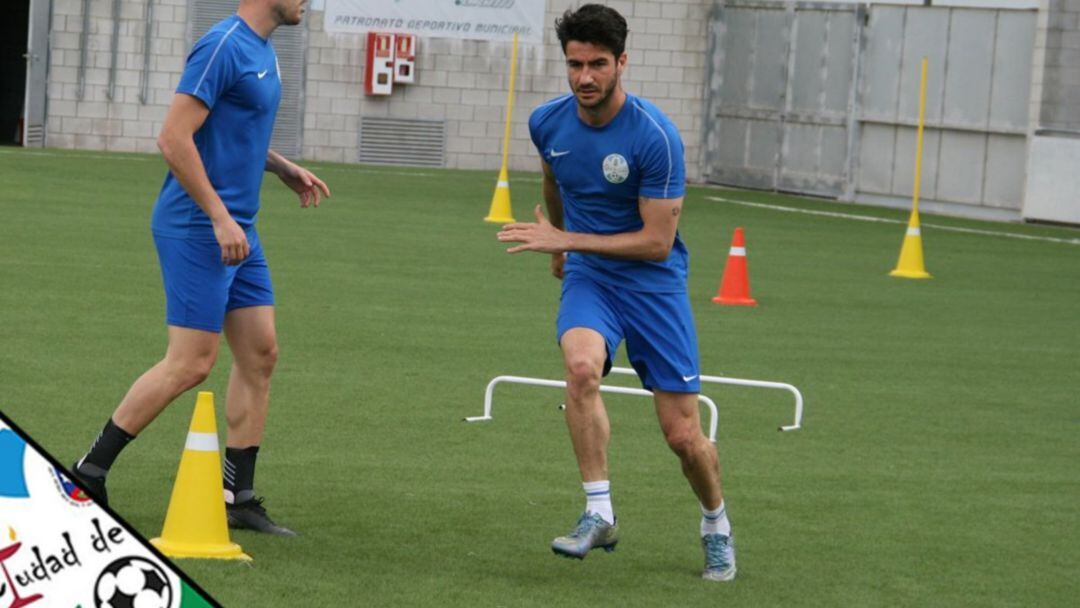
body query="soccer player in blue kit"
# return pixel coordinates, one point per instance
(216, 142)
(614, 181)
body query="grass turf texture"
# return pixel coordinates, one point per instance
(937, 466)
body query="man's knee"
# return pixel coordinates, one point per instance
(683, 440)
(260, 362)
(583, 374)
(189, 372)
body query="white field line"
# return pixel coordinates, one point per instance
(867, 218)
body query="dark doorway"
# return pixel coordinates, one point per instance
(13, 32)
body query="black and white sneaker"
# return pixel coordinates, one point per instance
(251, 515)
(96, 485)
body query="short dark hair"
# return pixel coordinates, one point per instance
(595, 24)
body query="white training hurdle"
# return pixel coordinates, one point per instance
(623, 390)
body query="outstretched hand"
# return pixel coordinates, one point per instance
(541, 236)
(304, 183)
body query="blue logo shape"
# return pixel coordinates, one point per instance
(12, 476)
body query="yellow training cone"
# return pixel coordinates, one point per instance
(195, 525)
(910, 265)
(500, 203)
(500, 212)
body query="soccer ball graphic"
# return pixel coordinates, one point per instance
(133, 582)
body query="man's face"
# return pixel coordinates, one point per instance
(289, 12)
(593, 72)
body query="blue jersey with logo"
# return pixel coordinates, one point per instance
(235, 73)
(602, 172)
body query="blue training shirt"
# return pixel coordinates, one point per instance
(602, 172)
(235, 73)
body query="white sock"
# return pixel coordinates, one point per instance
(715, 522)
(598, 499)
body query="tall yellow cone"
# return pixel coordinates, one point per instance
(500, 212)
(500, 203)
(195, 524)
(911, 265)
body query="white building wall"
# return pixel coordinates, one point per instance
(465, 83)
(1054, 131)
(462, 82)
(94, 122)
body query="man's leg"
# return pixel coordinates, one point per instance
(188, 360)
(681, 424)
(584, 354)
(253, 341)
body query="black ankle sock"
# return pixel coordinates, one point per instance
(239, 472)
(106, 448)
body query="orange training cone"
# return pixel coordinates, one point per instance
(735, 286)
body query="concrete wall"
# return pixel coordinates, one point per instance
(1054, 134)
(465, 83)
(95, 122)
(823, 99)
(461, 82)
(1058, 66)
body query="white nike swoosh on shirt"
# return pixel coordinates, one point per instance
(555, 154)
(262, 73)
(688, 378)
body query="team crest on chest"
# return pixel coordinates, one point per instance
(616, 169)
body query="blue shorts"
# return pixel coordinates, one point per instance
(661, 342)
(200, 288)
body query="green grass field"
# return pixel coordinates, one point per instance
(939, 463)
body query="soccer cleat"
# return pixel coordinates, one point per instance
(719, 557)
(592, 532)
(251, 515)
(95, 485)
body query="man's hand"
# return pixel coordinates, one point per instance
(230, 236)
(541, 236)
(304, 183)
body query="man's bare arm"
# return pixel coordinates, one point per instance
(552, 197)
(652, 243)
(305, 183)
(553, 200)
(177, 144)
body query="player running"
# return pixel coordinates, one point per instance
(614, 181)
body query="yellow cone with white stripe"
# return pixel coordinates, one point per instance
(500, 212)
(195, 524)
(911, 265)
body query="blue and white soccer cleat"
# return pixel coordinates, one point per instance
(592, 532)
(719, 557)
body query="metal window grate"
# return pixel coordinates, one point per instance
(402, 141)
(35, 136)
